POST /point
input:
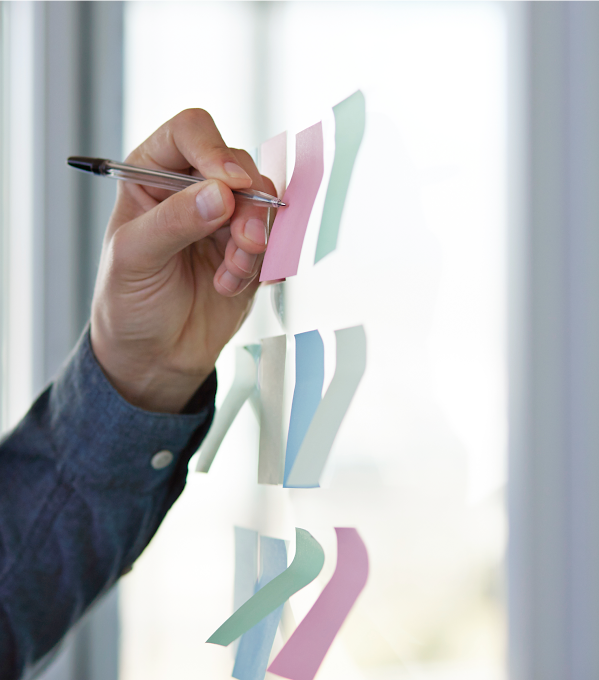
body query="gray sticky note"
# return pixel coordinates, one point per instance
(271, 382)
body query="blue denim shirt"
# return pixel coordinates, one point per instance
(80, 500)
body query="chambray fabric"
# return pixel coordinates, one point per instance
(79, 500)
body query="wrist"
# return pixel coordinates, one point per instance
(142, 378)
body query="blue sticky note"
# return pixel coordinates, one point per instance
(255, 645)
(309, 379)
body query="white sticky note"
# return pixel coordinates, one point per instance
(271, 383)
(246, 567)
(243, 386)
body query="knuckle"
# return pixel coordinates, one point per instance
(194, 117)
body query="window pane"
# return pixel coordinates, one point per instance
(418, 466)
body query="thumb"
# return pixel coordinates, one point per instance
(148, 242)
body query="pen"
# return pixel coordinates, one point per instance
(161, 179)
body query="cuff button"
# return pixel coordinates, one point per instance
(161, 459)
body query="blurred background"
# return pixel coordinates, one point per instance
(469, 251)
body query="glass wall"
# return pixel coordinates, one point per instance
(419, 463)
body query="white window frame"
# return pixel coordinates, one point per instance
(553, 492)
(62, 95)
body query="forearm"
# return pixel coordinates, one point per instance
(80, 500)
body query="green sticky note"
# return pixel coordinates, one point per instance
(306, 565)
(350, 120)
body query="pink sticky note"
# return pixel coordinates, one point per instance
(287, 237)
(273, 161)
(305, 650)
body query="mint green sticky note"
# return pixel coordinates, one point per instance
(350, 120)
(306, 565)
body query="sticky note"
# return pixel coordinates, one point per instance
(255, 645)
(243, 385)
(271, 382)
(306, 565)
(255, 350)
(350, 121)
(287, 236)
(305, 650)
(316, 446)
(309, 378)
(246, 565)
(273, 161)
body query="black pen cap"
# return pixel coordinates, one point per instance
(87, 164)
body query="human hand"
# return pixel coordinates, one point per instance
(178, 272)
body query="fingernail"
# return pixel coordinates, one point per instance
(233, 170)
(255, 230)
(229, 282)
(245, 261)
(210, 202)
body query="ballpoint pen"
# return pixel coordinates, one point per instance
(161, 179)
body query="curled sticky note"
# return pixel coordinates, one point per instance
(305, 650)
(287, 236)
(350, 121)
(246, 565)
(273, 161)
(309, 378)
(244, 384)
(271, 383)
(255, 645)
(306, 565)
(316, 445)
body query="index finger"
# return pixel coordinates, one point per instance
(191, 140)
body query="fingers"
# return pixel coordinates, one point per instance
(236, 272)
(249, 235)
(243, 254)
(148, 242)
(191, 140)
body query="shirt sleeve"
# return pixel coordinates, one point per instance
(85, 480)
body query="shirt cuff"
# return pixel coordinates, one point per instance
(103, 439)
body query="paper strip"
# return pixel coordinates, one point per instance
(255, 645)
(309, 378)
(305, 650)
(242, 387)
(350, 121)
(271, 382)
(306, 565)
(273, 161)
(315, 449)
(246, 565)
(287, 237)
(254, 398)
